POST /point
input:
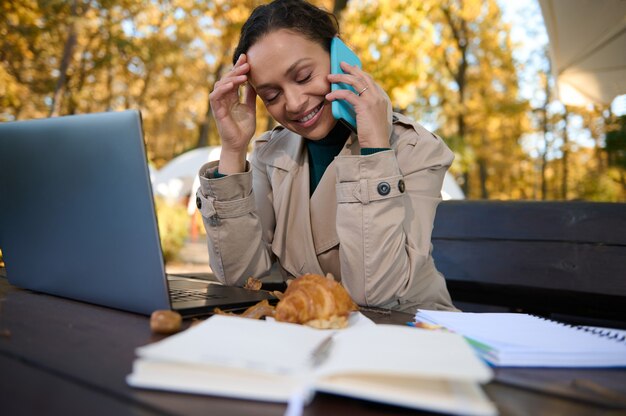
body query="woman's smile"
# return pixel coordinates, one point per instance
(312, 117)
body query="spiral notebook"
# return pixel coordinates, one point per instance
(521, 340)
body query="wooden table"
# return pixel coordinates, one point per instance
(59, 356)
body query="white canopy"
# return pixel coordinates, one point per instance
(587, 49)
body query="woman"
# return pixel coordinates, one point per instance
(315, 197)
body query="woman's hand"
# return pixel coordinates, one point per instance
(236, 120)
(371, 104)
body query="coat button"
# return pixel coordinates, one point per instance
(384, 188)
(198, 202)
(401, 185)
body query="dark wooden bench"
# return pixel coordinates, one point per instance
(562, 260)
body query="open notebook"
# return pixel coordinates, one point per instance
(521, 340)
(272, 361)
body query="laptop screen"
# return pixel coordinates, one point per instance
(76, 211)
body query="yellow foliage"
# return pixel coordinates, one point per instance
(174, 224)
(447, 61)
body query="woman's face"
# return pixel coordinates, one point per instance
(289, 72)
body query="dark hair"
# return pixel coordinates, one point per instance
(299, 16)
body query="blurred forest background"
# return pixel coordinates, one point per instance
(447, 63)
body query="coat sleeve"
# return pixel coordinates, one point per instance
(238, 246)
(385, 215)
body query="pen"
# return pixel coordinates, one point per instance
(320, 353)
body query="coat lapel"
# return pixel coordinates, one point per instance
(324, 204)
(323, 208)
(293, 241)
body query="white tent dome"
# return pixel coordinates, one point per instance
(175, 180)
(451, 189)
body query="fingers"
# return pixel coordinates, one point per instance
(225, 95)
(233, 78)
(347, 95)
(361, 81)
(353, 76)
(239, 71)
(241, 66)
(353, 70)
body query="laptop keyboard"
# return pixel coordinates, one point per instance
(177, 295)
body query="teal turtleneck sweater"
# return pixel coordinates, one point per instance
(322, 152)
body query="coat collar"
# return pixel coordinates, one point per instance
(286, 150)
(283, 149)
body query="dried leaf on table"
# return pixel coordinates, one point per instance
(253, 284)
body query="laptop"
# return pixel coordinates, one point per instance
(77, 218)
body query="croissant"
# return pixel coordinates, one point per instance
(316, 301)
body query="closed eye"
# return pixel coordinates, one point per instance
(304, 79)
(271, 97)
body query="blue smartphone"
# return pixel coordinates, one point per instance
(342, 110)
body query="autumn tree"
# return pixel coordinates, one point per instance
(451, 59)
(447, 63)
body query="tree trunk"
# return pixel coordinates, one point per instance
(466, 168)
(340, 5)
(545, 124)
(206, 127)
(109, 99)
(110, 65)
(546, 144)
(81, 75)
(482, 171)
(601, 156)
(544, 163)
(68, 49)
(565, 156)
(459, 32)
(208, 124)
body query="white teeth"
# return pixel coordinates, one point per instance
(309, 116)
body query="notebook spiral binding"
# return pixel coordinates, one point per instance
(603, 332)
(607, 333)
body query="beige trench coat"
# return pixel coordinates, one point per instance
(369, 221)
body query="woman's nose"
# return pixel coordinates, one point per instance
(295, 101)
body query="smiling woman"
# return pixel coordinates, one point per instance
(316, 197)
(293, 90)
